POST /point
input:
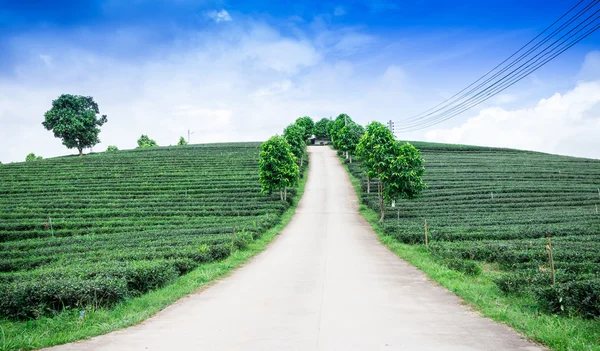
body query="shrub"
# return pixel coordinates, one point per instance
(242, 239)
(112, 148)
(32, 299)
(467, 267)
(577, 298)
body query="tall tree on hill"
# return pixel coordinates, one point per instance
(294, 135)
(321, 130)
(182, 142)
(75, 120)
(397, 167)
(278, 169)
(308, 124)
(348, 138)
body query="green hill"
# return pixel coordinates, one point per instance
(101, 228)
(497, 206)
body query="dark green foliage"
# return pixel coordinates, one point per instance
(123, 223)
(321, 130)
(402, 178)
(294, 135)
(335, 126)
(144, 142)
(75, 120)
(308, 125)
(243, 239)
(497, 206)
(467, 267)
(348, 137)
(397, 167)
(571, 298)
(112, 148)
(182, 142)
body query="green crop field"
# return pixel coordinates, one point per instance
(497, 206)
(94, 230)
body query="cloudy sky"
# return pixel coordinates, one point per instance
(242, 70)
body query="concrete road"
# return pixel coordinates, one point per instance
(325, 283)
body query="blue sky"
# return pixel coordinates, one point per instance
(242, 70)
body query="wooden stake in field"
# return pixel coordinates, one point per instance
(426, 235)
(550, 258)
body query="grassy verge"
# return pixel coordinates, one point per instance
(480, 292)
(69, 326)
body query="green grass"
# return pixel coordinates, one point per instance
(68, 326)
(559, 333)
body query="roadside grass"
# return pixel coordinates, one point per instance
(480, 292)
(71, 326)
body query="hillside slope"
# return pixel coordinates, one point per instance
(498, 206)
(101, 228)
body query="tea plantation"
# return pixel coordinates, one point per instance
(497, 206)
(94, 230)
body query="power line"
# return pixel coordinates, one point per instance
(508, 80)
(500, 88)
(464, 100)
(500, 64)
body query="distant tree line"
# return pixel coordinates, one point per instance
(397, 167)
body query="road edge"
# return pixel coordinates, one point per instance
(68, 327)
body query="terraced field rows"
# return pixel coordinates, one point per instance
(93, 230)
(497, 206)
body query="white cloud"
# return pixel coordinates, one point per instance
(236, 83)
(219, 16)
(566, 124)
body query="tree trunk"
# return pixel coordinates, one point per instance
(350, 158)
(346, 155)
(285, 194)
(301, 159)
(280, 194)
(368, 185)
(381, 207)
(80, 151)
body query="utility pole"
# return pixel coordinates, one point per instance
(390, 126)
(189, 133)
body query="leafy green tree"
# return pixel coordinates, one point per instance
(403, 178)
(278, 169)
(75, 120)
(182, 142)
(322, 128)
(308, 124)
(348, 138)
(33, 157)
(338, 123)
(376, 150)
(144, 141)
(294, 135)
(112, 148)
(369, 149)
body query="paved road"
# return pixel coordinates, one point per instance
(324, 284)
